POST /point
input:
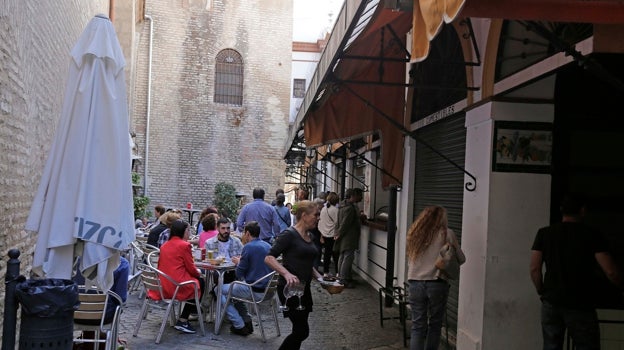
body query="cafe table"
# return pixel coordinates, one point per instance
(221, 270)
(191, 213)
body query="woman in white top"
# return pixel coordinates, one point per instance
(327, 226)
(428, 291)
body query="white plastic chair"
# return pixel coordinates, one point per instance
(269, 295)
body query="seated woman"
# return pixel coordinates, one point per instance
(209, 225)
(165, 221)
(176, 260)
(202, 215)
(168, 219)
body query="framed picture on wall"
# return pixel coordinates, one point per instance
(522, 147)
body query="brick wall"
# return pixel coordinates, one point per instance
(35, 40)
(193, 142)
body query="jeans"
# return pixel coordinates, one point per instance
(581, 324)
(237, 311)
(345, 263)
(428, 302)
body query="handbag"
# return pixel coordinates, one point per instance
(448, 262)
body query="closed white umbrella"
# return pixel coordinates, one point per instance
(84, 202)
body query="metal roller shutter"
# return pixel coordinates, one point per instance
(438, 182)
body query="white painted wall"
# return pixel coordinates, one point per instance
(303, 67)
(498, 307)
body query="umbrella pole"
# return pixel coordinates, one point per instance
(10, 302)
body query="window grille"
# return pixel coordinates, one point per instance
(229, 78)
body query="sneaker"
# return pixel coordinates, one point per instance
(184, 327)
(239, 331)
(193, 317)
(249, 326)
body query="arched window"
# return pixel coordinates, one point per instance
(229, 78)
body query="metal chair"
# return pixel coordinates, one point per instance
(269, 295)
(151, 278)
(136, 256)
(93, 309)
(152, 258)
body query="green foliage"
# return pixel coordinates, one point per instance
(136, 178)
(140, 206)
(225, 199)
(140, 202)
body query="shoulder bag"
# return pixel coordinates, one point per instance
(448, 260)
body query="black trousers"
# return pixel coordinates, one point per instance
(190, 307)
(300, 329)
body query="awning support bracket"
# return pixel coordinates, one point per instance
(586, 62)
(322, 172)
(469, 185)
(475, 47)
(361, 156)
(343, 167)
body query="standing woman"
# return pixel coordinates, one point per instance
(298, 252)
(327, 226)
(428, 291)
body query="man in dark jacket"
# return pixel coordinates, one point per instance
(348, 234)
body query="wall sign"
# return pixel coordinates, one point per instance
(522, 147)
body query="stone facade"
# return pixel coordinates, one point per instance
(195, 143)
(35, 40)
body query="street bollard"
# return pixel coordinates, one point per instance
(10, 302)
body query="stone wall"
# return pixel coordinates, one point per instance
(35, 40)
(193, 142)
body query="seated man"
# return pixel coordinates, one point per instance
(249, 267)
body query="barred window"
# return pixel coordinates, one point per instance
(229, 78)
(299, 88)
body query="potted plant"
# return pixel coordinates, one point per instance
(225, 200)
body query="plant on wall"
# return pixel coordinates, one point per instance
(140, 202)
(225, 200)
(140, 206)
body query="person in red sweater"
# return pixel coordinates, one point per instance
(176, 260)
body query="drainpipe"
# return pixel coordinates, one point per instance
(149, 101)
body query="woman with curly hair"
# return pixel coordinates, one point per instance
(428, 290)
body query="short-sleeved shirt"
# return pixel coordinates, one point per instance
(568, 251)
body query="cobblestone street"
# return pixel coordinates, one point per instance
(349, 320)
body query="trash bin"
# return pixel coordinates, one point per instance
(47, 313)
